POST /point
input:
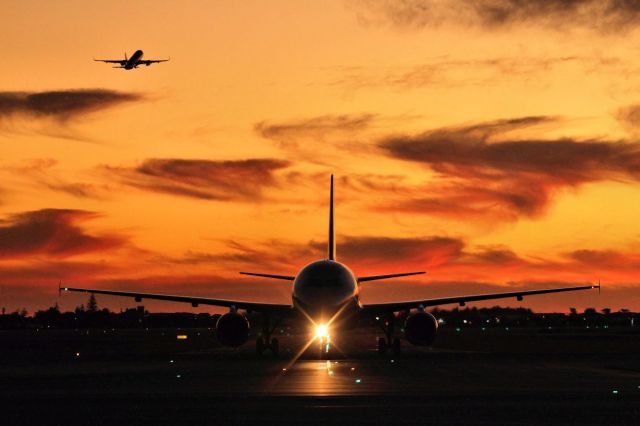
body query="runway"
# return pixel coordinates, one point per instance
(148, 376)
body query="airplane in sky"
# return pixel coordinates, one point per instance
(133, 62)
(327, 293)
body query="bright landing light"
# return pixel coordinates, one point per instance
(322, 331)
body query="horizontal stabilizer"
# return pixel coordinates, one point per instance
(384, 277)
(277, 277)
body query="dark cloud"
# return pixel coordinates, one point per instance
(204, 179)
(374, 250)
(497, 256)
(61, 105)
(489, 171)
(51, 232)
(599, 15)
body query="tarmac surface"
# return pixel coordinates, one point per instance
(496, 376)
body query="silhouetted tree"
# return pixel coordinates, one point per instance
(92, 305)
(606, 311)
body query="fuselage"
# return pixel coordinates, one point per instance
(132, 62)
(325, 290)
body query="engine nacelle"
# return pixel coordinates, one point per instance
(420, 329)
(232, 329)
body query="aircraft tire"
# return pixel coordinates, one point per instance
(396, 346)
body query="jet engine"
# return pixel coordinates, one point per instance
(232, 329)
(420, 328)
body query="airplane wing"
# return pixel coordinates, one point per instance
(274, 308)
(148, 62)
(112, 61)
(461, 300)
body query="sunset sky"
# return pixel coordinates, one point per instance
(494, 144)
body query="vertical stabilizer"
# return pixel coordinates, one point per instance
(332, 239)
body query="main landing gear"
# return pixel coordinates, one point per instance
(266, 342)
(389, 342)
(263, 345)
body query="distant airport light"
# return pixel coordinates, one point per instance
(615, 391)
(322, 330)
(358, 381)
(77, 354)
(182, 337)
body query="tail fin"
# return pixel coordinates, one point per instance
(125, 56)
(332, 240)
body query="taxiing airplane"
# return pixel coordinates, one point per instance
(133, 62)
(327, 293)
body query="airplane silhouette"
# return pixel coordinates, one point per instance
(133, 62)
(327, 293)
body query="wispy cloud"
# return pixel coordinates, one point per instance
(242, 180)
(303, 137)
(605, 16)
(629, 117)
(43, 173)
(446, 72)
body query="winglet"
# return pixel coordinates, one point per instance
(598, 285)
(332, 241)
(59, 288)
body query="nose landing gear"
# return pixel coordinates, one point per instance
(326, 348)
(389, 342)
